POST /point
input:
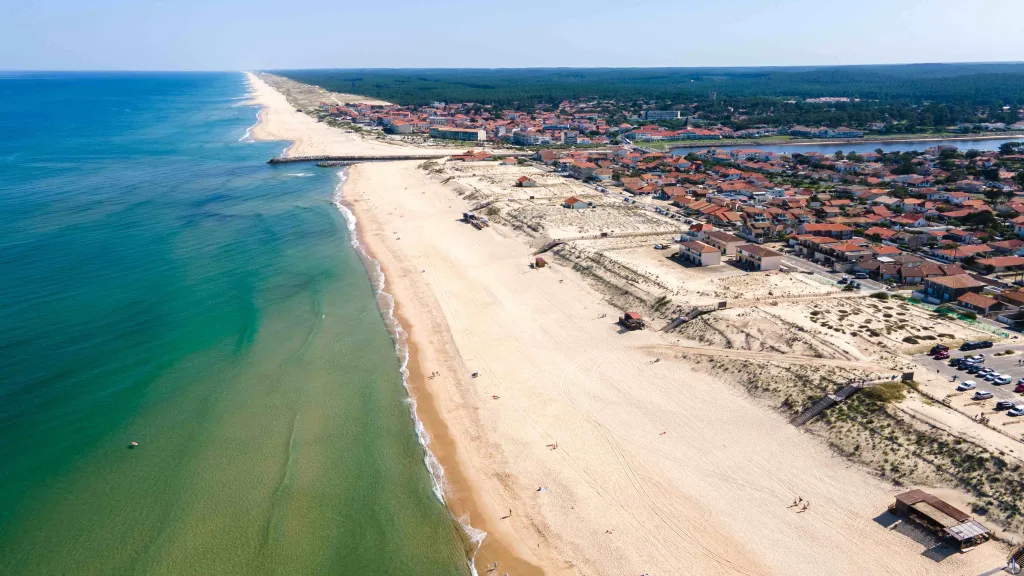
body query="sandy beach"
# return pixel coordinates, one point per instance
(280, 121)
(583, 450)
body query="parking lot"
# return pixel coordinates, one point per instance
(1008, 365)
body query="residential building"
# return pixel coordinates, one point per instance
(942, 289)
(662, 115)
(837, 231)
(723, 241)
(755, 257)
(574, 203)
(979, 303)
(700, 254)
(1001, 263)
(448, 133)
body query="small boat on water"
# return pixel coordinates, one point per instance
(133, 444)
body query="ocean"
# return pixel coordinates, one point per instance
(161, 284)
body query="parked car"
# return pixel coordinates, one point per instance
(990, 376)
(1017, 410)
(942, 355)
(969, 345)
(1004, 405)
(938, 348)
(1002, 380)
(967, 385)
(842, 280)
(860, 276)
(973, 369)
(985, 371)
(981, 395)
(1019, 388)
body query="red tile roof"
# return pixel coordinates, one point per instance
(956, 282)
(1002, 261)
(978, 300)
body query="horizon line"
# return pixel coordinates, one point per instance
(420, 68)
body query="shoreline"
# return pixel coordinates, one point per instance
(456, 486)
(451, 484)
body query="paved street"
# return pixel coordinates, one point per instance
(796, 263)
(1007, 365)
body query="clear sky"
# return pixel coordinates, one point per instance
(260, 34)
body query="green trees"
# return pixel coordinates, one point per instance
(906, 98)
(1011, 148)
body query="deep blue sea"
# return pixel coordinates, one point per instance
(160, 283)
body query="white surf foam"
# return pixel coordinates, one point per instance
(386, 303)
(247, 137)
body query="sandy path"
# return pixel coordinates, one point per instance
(670, 350)
(658, 468)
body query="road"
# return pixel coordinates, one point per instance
(802, 265)
(1006, 365)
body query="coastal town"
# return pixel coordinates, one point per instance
(945, 225)
(595, 123)
(829, 289)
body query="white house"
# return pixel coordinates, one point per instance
(700, 254)
(574, 203)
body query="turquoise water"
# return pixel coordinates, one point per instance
(160, 283)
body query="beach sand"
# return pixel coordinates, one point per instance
(609, 462)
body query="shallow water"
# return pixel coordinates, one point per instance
(160, 283)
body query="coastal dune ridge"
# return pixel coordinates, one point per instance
(582, 450)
